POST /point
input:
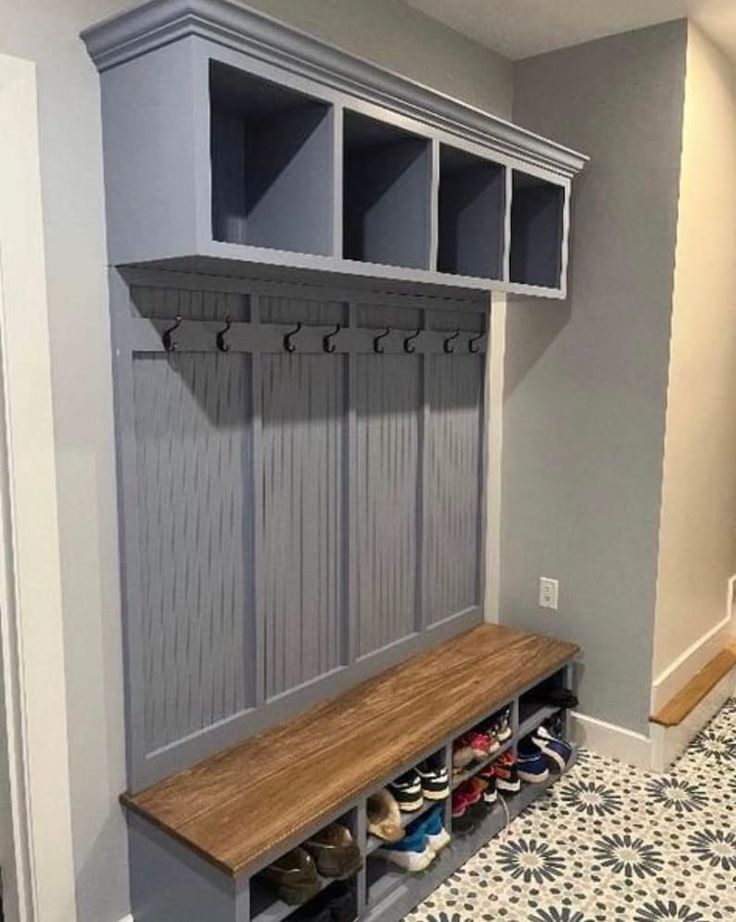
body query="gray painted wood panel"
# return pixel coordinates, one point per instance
(384, 497)
(193, 452)
(453, 488)
(303, 429)
(294, 531)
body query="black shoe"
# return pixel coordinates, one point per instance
(343, 905)
(407, 790)
(562, 698)
(433, 779)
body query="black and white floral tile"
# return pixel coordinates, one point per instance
(609, 842)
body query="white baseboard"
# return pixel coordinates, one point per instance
(127, 918)
(670, 742)
(676, 676)
(611, 740)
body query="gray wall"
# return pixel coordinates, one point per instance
(71, 164)
(586, 380)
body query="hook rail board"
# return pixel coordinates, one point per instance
(234, 139)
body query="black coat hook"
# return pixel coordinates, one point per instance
(472, 343)
(328, 341)
(409, 342)
(169, 344)
(289, 345)
(222, 345)
(449, 343)
(377, 344)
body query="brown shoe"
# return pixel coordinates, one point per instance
(293, 877)
(334, 852)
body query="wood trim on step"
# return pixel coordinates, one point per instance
(686, 700)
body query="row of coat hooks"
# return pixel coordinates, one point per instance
(329, 345)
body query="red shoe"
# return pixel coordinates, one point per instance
(464, 798)
(480, 743)
(462, 752)
(507, 774)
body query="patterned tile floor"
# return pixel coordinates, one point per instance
(609, 842)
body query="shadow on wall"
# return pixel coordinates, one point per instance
(535, 323)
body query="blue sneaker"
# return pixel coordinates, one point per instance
(532, 764)
(412, 853)
(431, 825)
(557, 751)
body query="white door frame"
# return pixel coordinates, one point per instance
(35, 758)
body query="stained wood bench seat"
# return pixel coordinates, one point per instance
(258, 797)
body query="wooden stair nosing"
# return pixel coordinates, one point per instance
(688, 698)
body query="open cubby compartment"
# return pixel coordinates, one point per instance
(471, 214)
(537, 211)
(271, 151)
(462, 775)
(534, 708)
(387, 190)
(407, 818)
(266, 906)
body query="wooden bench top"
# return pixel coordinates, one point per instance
(246, 801)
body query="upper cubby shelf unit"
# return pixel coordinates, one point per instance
(232, 140)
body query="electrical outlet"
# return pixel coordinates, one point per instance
(549, 592)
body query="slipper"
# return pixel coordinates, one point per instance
(384, 817)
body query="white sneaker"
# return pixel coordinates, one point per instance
(414, 862)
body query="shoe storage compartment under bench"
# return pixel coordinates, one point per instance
(199, 839)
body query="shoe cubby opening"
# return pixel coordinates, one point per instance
(480, 746)
(386, 194)
(471, 214)
(393, 809)
(272, 163)
(309, 881)
(542, 702)
(537, 208)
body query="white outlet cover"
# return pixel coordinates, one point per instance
(549, 592)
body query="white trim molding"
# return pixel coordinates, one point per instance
(611, 740)
(676, 676)
(31, 619)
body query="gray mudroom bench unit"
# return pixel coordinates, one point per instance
(302, 251)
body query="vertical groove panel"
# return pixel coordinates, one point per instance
(303, 419)
(387, 405)
(193, 451)
(452, 491)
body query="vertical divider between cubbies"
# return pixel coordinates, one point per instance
(361, 837)
(448, 802)
(434, 206)
(515, 726)
(338, 173)
(508, 201)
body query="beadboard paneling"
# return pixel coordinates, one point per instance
(303, 431)
(384, 497)
(453, 489)
(193, 453)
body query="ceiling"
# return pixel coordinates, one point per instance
(521, 28)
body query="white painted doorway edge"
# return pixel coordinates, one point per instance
(31, 618)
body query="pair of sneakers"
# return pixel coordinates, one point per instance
(424, 839)
(540, 752)
(428, 781)
(477, 745)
